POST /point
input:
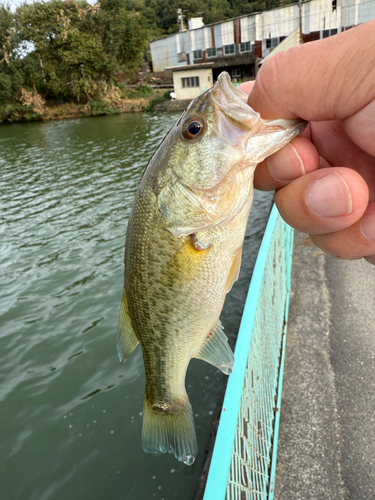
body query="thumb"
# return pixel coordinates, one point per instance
(323, 80)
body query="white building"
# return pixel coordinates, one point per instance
(236, 45)
(190, 81)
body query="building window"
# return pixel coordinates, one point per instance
(236, 73)
(271, 43)
(229, 49)
(334, 5)
(191, 81)
(327, 33)
(245, 47)
(197, 54)
(211, 52)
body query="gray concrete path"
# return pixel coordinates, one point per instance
(327, 431)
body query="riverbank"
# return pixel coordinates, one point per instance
(36, 109)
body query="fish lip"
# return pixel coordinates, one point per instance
(233, 93)
(250, 119)
(235, 120)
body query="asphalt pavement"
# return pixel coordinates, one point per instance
(327, 433)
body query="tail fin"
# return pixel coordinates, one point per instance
(165, 431)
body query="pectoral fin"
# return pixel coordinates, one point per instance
(235, 270)
(126, 339)
(216, 350)
(184, 264)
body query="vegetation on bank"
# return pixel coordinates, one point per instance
(34, 108)
(68, 51)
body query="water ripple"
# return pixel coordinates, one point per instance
(66, 194)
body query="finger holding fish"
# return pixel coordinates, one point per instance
(316, 194)
(339, 103)
(296, 158)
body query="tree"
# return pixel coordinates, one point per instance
(78, 46)
(124, 34)
(11, 75)
(66, 45)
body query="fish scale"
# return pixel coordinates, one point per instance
(183, 252)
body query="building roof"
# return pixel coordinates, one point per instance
(190, 66)
(290, 41)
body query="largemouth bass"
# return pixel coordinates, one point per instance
(183, 252)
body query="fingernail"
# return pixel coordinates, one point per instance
(286, 164)
(330, 196)
(368, 226)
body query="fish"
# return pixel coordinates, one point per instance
(183, 252)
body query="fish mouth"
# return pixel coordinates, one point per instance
(238, 123)
(235, 118)
(233, 93)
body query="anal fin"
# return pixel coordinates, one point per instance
(126, 339)
(216, 350)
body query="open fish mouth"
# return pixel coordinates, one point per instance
(238, 123)
(235, 118)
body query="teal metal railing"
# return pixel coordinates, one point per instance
(243, 463)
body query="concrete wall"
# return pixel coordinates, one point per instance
(205, 82)
(164, 53)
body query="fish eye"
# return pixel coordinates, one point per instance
(193, 128)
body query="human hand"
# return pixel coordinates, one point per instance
(324, 179)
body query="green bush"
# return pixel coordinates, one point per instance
(98, 107)
(5, 87)
(15, 112)
(140, 91)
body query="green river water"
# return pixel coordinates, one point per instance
(70, 413)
